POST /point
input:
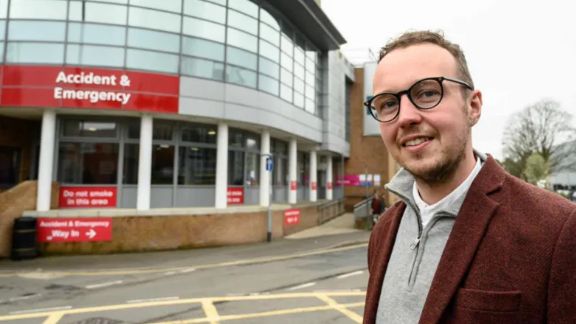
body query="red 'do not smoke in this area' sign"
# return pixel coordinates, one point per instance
(235, 195)
(74, 229)
(87, 197)
(291, 216)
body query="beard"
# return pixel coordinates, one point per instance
(444, 164)
(442, 171)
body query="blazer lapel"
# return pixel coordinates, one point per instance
(385, 237)
(467, 233)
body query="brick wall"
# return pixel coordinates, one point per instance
(367, 153)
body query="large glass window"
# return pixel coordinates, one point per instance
(147, 60)
(197, 166)
(98, 12)
(95, 55)
(241, 76)
(35, 53)
(206, 10)
(244, 6)
(162, 164)
(163, 131)
(286, 92)
(38, 9)
(279, 151)
(268, 84)
(236, 168)
(270, 51)
(168, 5)
(203, 48)
(199, 134)
(131, 158)
(267, 18)
(96, 34)
(153, 40)
(89, 129)
(88, 163)
(203, 29)
(269, 34)
(154, 19)
(3, 9)
(202, 68)
(240, 57)
(242, 40)
(270, 68)
(243, 158)
(303, 167)
(36, 31)
(242, 22)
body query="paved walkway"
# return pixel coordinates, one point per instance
(339, 225)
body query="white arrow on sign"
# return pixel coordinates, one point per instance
(91, 233)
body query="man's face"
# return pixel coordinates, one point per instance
(430, 144)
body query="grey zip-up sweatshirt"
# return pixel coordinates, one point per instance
(415, 256)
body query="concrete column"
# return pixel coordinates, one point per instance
(292, 165)
(46, 160)
(329, 179)
(145, 163)
(313, 175)
(264, 175)
(222, 167)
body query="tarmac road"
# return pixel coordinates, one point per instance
(317, 276)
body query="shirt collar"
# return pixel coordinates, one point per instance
(451, 203)
(402, 185)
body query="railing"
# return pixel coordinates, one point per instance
(362, 209)
(330, 210)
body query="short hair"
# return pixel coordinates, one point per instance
(437, 38)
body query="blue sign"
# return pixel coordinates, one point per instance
(269, 164)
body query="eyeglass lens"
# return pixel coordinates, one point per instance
(424, 94)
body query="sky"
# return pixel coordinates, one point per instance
(518, 52)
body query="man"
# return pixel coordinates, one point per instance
(467, 243)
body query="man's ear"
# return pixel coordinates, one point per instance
(474, 107)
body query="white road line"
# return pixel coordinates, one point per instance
(187, 270)
(152, 300)
(104, 284)
(306, 285)
(346, 275)
(169, 273)
(41, 310)
(24, 297)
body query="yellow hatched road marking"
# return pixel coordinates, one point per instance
(54, 318)
(210, 311)
(109, 308)
(266, 314)
(340, 307)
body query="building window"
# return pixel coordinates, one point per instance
(88, 163)
(243, 158)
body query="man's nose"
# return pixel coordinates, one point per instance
(408, 114)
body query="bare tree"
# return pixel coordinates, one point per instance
(539, 128)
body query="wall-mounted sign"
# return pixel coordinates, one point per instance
(87, 197)
(79, 229)
(291, 216)
(92, 88)
(235, 195)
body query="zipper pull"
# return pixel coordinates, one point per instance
(414, 244)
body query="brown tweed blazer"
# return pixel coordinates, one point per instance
(510, 258)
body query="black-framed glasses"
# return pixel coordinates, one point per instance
(424, 94)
